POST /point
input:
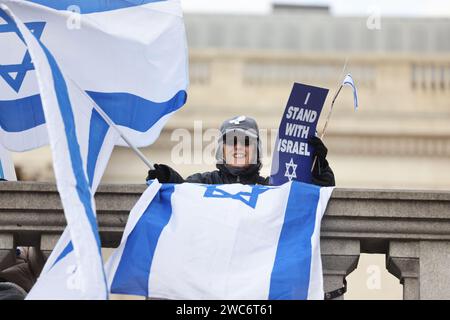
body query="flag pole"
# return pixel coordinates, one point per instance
(337, 91)
(331, 110)
(111, 123)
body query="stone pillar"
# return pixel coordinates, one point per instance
(339, 259)
(422, 267)
(402, 261)
(434, 270)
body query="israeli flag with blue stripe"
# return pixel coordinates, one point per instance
(348, 81)
(62, 105)
(130, 57)
(195, 241)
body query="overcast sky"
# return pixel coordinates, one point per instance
(410, 8)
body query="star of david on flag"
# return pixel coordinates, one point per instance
(14, 74)
(249, 198)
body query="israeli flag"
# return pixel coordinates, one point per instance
(7, 171)
(348, 80)
(61, 104)
(194, 241)
(130, 57)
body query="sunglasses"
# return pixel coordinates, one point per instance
(234, 140)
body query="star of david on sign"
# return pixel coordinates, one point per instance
(14, 74)
(249, 198)
(293, 166)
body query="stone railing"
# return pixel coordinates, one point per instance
(412, 228)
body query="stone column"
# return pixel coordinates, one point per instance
(339, 259)
(434, 270)
(422, 267)
(403, 262)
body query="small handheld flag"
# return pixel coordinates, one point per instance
(348, 80)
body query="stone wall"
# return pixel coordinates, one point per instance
(411, 227)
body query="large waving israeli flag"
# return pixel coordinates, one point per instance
(62, 105)
(129, 56)
(194, 241)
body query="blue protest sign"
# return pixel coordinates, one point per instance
(292, 157)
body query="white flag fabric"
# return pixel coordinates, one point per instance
(348, 80)
(7, 171)
(194, 241)
(86, 278)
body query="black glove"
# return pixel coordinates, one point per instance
(320, 150)
(161, 172)
(322, 174)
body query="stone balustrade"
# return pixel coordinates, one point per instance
(411, 227)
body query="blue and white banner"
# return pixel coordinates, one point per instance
(7, 171)
(129, 56)
(62, 106)
(194, 241)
